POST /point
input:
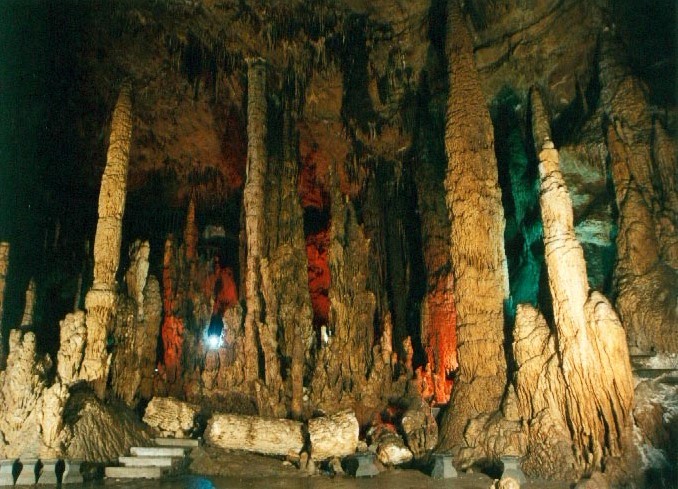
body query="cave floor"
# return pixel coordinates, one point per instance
(392, 479)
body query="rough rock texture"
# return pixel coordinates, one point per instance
(419, 428)
(97, 432)
(147, 337)
(29, 305)
(285, 282)
(171, 416)
(72, 346)
(477, 226)
(589, 390)
(596, 481)
(645, 187)
(100, 300)
(4, 265)
(389, 446)
(50, 419)
(137, 274)
(253, 434)
(333, 436)
(259, 333)
(21, 387)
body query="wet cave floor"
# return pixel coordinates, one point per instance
(232, 470)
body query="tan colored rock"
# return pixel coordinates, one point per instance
(333, 436)
(390, 447)
(419, 428)
(254, 434)
(50, 418)
(71, 348)
(4, 265)
(125, 375)
(137, 274)
(596, 481)
(477, 227)
(171, 416)
(254, 204)
(29, 305)
(100, 300)
(577, 383)
(644, 181)
(21, 389)
(147, 337)
(98, 432)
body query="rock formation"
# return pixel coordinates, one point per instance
(333, 436)
(477, 226)
(73, 333)
(254, 434)
(29, 305)
(644, 177)
(171, 417)
(101, 299)
(586, 394)
(4, 265)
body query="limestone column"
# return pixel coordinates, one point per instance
(643, 174)
(595, 393)
(254, 200)
(100, 300)
(477, 245)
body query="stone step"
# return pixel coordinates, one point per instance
(150, 461)
(158, 451)
(177, 442)
(135, 472)
(652, 373)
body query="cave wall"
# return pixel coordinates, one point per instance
(306, 179)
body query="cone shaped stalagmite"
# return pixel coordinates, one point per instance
(589, 390)
(645, 188)
(477, 230)
(100, 300)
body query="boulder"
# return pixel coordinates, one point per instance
(171, 416)
(333, 436)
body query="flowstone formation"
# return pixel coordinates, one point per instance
(323, 221)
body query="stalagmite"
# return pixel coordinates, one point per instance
(333, 436)
(253, 434)
(172, 326)
(29, 306)
(589, 390)
(477, 229)
(4, 265)
(137, 273)
(100, 300)
(147, 337)
(191, 233)
(644, 181)
(254, 200)
(285, 283)
(73, 333)
(21, 389)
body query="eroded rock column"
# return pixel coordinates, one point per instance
(644, 180)
(477, 229)
(588, 389)
(100, 300)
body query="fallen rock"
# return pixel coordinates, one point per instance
(334, 436)
(255, 434)
(171, 416)
(420, 429)
(390, 447)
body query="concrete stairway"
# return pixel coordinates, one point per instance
(645, 367)
(167, 457)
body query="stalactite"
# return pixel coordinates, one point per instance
(590, 389)
(4, 265)
(191, 233)
(644, 181)
(477, 229)
(100, 300)
(29, 306)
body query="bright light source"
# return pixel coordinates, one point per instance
(214, 341)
